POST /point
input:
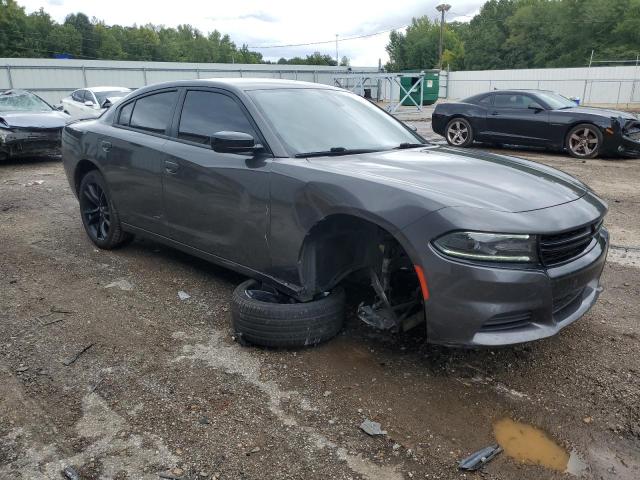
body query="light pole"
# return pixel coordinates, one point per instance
(442, 8)
(337, 61)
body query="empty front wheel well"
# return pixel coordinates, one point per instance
(340, 245)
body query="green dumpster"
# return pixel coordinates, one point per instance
(430, 91)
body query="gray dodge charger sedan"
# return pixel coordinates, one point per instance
(305, 188)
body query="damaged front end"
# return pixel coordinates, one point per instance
(22, 142)
(629, 143)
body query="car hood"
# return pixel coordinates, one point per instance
(51, 119)
(605, 112)
(456, 177)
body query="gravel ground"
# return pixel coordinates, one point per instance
(162, 388)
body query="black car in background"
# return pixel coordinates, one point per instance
(538, 118)
(29, 126)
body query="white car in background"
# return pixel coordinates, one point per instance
(91, 102)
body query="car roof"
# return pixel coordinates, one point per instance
(240, 84)
(106, 89)
(517, 90)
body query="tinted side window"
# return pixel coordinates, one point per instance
(514, 101)
(485, 100)
(77, 95)
(205, 113)
(125, 114)
(153, 112)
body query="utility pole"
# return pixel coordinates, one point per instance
(442, 8)
(337, 60)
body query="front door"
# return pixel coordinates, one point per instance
(511, 120)
(217, 202)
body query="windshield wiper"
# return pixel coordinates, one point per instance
(336, 151)
(409, 145)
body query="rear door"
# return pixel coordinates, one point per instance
(217, 202)
(510, 120)
(136, 154)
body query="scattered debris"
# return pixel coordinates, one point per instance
(477, 459)
(22, 368)
(53, 321)
(183, 295)
(75, 357)
(372, 428)
(70, 473)
(33, 183)
(121, 284)
(587, 419)
(170, 476)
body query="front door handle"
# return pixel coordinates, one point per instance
(495, 114)
(170, 166)
(106, 146)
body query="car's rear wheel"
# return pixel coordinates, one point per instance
(459, 132)
(99, 216)
(262, 316)
(584, 141)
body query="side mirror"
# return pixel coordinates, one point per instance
(107, 103)
(234, 142)
(88, 103)
(60, 108)
(413, 128)
(533, 106)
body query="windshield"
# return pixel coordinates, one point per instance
(102, 96)
(12, 101)
(555, 100)
(318, 120)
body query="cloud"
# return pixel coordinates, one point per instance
(283, 22)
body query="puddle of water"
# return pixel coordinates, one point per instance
(531, 445)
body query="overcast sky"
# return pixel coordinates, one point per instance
(275, 22)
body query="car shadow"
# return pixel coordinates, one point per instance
(17, 161)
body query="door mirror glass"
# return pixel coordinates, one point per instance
(107, 103)
(233, 142)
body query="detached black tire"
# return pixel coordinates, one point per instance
(286, 325)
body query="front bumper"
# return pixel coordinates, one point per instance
(488, 305)
(23, 143)
(625, 141)
(497, 306)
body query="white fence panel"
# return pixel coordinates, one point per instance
(53, 79)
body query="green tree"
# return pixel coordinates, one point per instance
(418, 48)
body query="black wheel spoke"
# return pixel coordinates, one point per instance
(95, 211)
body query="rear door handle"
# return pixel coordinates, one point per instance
(170, 166)
(106, 146)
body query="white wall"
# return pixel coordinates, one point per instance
(53, 79)
(595, 85)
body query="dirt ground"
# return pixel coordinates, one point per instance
(163, 389)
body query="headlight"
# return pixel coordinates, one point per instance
(489, 247)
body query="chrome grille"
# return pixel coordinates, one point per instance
(565, 246)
